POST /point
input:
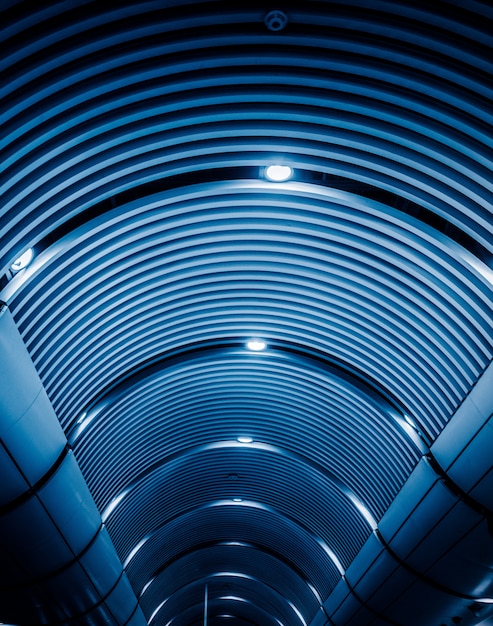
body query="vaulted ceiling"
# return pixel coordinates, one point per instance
(341, 475)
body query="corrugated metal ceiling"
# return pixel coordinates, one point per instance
(135, 139)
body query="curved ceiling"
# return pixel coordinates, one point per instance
(136, 137)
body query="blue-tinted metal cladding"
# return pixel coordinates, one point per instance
(100, 102)
(133, 138)
(58, 562)
(304, 264)
(434, 542)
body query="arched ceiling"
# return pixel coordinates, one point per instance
(135, 140)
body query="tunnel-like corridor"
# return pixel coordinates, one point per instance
(232, 395)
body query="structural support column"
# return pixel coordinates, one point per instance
(431, 556)
(57, 562)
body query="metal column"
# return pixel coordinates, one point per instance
(57, 562)
(430, 558)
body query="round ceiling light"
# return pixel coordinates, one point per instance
(278, 173)
(23, 261)
(256, 345)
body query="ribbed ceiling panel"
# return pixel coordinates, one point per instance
(135, 140)
(286, 484)
(247, 522)
(169, 255)
(269, 605)
(220, 399)
(182, 62)
(231, 562)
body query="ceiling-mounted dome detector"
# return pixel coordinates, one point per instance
(276, 20)
(23, 261)
(256, 345)
(278, 173)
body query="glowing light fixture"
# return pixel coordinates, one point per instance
(278, 173)
(23, 261)
(255, 344)
(245, 439)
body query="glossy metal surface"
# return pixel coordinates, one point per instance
(136, 139)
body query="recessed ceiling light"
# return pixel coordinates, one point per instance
(237, 500)
(245, 439)
(255, 344)
(23, 261)
(278, 173)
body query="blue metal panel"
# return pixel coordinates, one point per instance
(468, 562)
(100, 614)
(429, 538)
(320, 619)
(429, 502)
(45, 551)
(75, 515)
(482, 492)
(16, 369)
(101, 563)
(422, 604)
(137, 619)
(59, 564)
(470, 422)
(13, 482)
(72, 590)
(35, 440)
(382, 581)
(339, 596)
(121, 601)
(439, 535)
(420, 482)
(28, 429)
(472, 468)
